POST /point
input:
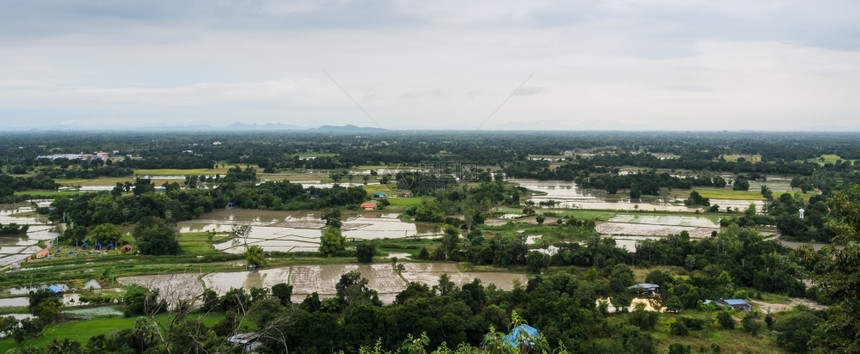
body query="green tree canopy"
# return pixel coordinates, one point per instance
(255, 256)
(154, 237)
(331, 242)
(105, 233)
(364, 251)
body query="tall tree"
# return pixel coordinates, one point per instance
(331, 242)
(154, 237)
(840, 277)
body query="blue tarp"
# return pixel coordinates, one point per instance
(527, 334)
(55, 288)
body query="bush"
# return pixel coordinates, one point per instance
(693, 324)
(677, 348)
(678, 328)
(142, 301)
(725, 319)
(365, 251)
(645, 320)
(751, 323)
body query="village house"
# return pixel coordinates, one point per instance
(645, 289)
(371, 205)
(740, 304)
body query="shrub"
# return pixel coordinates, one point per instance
(678, 328)
(725, 319)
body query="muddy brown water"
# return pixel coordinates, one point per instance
(307, 279)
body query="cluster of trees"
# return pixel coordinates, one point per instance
(443, 317)
(87, 170)
(9, 184)
(580, 169)
(746, 257)
(782, 153)
(13, 229)
(92, 209)
(648, 183)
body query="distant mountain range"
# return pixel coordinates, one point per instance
(347, 129)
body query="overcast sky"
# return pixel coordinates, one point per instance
(574, 65)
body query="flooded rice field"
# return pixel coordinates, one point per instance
(300, 231)
(628, 229)
(172, 287)
(17, 248)
(677, 220)
(568, 195)
(23, 301)
(738, 204)
(656, 225)
(632, 229)
(307, 279)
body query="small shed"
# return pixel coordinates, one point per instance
(249, 341)
(43, 253)
(407, 194)
(740, 304)
(379, 195)
(371, 205)
(645, 289)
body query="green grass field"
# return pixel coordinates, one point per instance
(196, 243)
(48, 193)
(725, 193)
(829, 158)
(405, 202)
(388, 189)
(187, 172)
(730, 341)
(102, 181)
(82, 330)
(577, 213)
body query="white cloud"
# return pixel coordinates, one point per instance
(442, 65)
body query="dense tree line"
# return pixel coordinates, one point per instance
(13, 229)
(9, 184)
(782, 153)
(747, 259)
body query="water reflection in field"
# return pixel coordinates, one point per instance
(17, 248)
(300, 231)
(307, 279)
(568, 195)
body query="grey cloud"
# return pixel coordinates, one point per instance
(26, 19)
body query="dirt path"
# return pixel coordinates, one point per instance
(768, 307)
